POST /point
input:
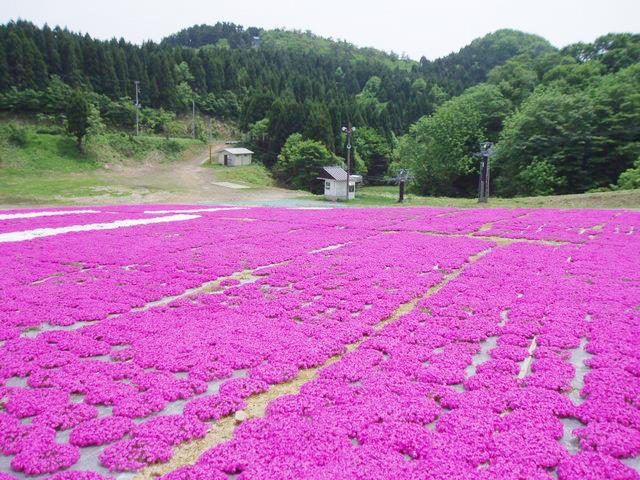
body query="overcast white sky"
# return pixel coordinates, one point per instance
(429, 28)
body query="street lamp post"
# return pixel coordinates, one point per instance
(349, 131)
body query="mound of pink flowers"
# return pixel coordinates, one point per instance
(516, 354)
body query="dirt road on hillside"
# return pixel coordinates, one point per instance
(184, 181)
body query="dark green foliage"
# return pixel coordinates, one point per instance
(78, 112)
(615, 51)
(572, 116)
(17, 135)
(375, 151)
(471, 64)
(335, 80)
(300, 162)
(571, 142)
(201, 35)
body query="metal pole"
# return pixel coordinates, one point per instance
(209, 137)
(348, 158)
(486, 150)
(193, 118)
(137, 83)
(481, 186)
(349, 131)
(401, 198)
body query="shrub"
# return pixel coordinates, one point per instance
(17, 135)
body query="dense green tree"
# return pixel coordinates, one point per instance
(615, 50)
(516, 78)
(439, 149)
(78, 112)
(285, 117)
(375, 151)
(630, 179)
(544, 145)
(297, 82)
(579, 140)
(300, 162)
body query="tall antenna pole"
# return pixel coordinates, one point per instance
(137, 83)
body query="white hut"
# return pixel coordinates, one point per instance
(335, 183)
(234, 157)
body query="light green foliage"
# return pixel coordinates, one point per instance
(440, 149)
(438, 95)
(300, 161)
(257, 138)
(540, 178)
(56, 96)
(183, 97)
(225, 105)
(368, 100)
(570, 77)
(183, 73)
(95, 124)
(630, 178)
(158, 121)
(255, 175)
(516, 78)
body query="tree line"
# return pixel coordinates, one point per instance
(508, 87)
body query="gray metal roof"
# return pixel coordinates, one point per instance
(238, 151)
(337, 173)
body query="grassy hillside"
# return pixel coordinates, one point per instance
(388, 197)
(254, 175)
(40, 167)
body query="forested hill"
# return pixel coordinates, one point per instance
(231, 79)
(470, 66)
(283, 85)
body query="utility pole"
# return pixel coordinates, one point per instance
(137, 83)
(349, 131)
(193, 117)
(209, 137)
(486, 150)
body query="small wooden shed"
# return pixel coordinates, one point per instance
(335, 183)
(234, 157)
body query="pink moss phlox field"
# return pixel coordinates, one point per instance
(477, 381)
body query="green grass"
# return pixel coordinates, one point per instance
(46, 152)
(139, 147)
(50, 168)
(255, 175)
(388, 197)
(59, 188)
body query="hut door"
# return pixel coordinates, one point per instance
(226, 160)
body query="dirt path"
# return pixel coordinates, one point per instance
(184, 181)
